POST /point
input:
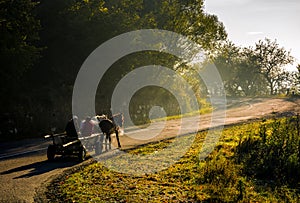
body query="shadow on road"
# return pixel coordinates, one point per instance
(241, 102)
(22, 146)
(41, 167)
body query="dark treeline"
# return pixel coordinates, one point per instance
(43, 45)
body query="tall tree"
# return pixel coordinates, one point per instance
(226, 62)
(19, 33)
(250, 80)
(71, 30)
(110, 18)
(271, 59)
(294, 81)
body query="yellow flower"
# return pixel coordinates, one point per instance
(103, 10)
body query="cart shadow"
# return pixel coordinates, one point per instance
(42, 167)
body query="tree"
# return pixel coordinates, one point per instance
(271, 60)
(188, 18)
(226, 62)
(298, 73)
(70, 31)
(248, 79)
(180, 16)
(294, 81)
(19, 33)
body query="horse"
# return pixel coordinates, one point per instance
(108, 127)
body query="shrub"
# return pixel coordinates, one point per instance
(273, 154)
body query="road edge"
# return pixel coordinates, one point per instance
(48, 187)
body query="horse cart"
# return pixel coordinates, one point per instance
(64, 145)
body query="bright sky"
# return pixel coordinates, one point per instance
(247, 21)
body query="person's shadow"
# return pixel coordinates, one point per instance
(41, 167)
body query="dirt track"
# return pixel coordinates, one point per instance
(22, 175)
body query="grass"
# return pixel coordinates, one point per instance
(205, 110)
(254, 162)
(142, 120)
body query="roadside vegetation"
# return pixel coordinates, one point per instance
(143, 118)
(253, 162)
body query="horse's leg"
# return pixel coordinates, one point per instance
(109, 139)
(106, 137)
(101, 142)
(118, 140)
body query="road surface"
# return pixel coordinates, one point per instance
(24, 166)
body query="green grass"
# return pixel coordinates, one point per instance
(194, 113)
(254, 162)
(205, 108)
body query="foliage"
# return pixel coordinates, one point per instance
(70, 31)
(255, 70)
(273, 154)
(271, 58)
(19, 34)
(226, 175)
(37, 83)
(294, 82)
(19, 52)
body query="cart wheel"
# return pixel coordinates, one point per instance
(82, 154)
(51, 152)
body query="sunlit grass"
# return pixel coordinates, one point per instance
(143, 121)
(193, 113)
(221, 177)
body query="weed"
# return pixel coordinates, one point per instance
(274, 154)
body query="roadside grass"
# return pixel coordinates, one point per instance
(202, 111)
(144, 123)
(205, 109)
(254, 162)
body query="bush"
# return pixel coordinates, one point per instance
(274, 153)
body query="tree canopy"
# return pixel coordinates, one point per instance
(44, 44)
(19, 33)
(252, 71)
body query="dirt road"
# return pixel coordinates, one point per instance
(24, 168)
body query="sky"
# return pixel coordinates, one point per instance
(247, 21)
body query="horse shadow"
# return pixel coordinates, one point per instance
(42, 167)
